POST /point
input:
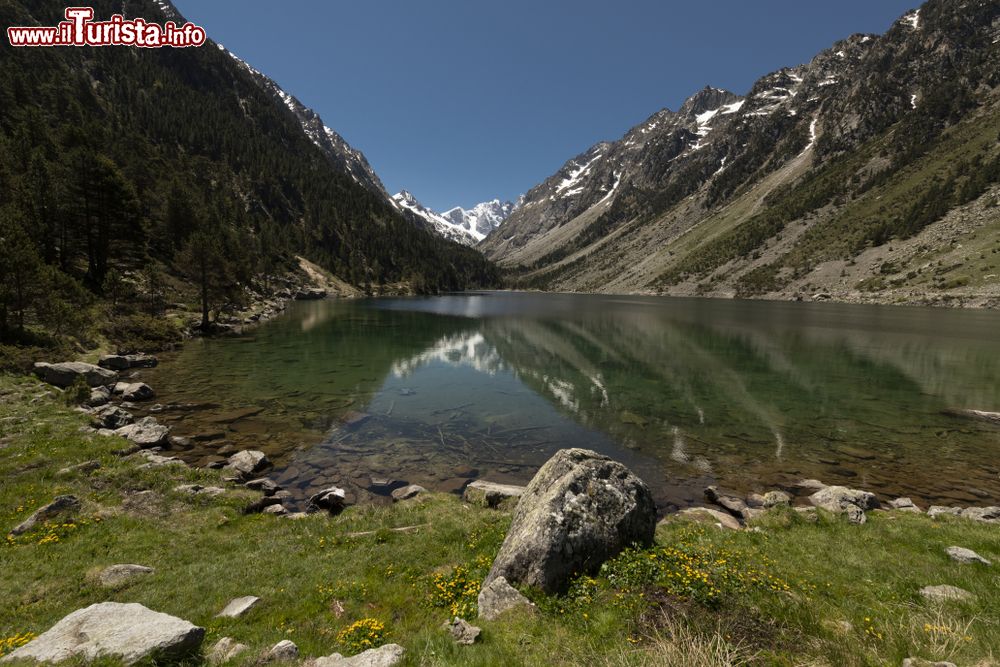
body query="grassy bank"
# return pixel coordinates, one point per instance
(790, 593)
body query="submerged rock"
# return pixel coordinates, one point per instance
(128, 632)
(580, 509)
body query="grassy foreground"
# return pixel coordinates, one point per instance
(789, 593)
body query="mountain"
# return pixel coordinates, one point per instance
(465, 227)
(869, 173)
(129, 174)
(336, 149)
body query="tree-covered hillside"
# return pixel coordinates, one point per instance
(125, 164)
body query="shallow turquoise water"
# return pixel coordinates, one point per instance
(687, 392)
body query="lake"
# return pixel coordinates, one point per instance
(750, 395)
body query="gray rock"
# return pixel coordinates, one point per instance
(389, 655)
(154, 460)
(283, 651)
(332, 500)
(238, 607)
(86, 466)
(266, 486)
(142, 361)
(714, 516)
(65, 374)
(807, 513)
(112, 417)
(145, 433)
(224, 650)
(965, 556)
(310, 294)
(462, 632)
(905, 505)
(944, 593)
(59, 506)
(776, 499)
(407, 492)
(99, 396)
(277, 510)
(138, 391)
(811, 484)
(580, 509)
(727, 501)
(247, 463)
(842, 500)
(937, 510)
(920, 662)
(198, 489)
(119, 575)
(755, 500)
(497, 596)
(984, 514)
(129, 632)
(491, 494)
(114, 362)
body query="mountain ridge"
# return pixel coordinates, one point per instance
(686, 202)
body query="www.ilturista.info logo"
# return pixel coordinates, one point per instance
(79, 29)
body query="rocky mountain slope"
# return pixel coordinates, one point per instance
(868, 173)
(467, 227)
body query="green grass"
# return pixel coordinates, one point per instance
(701, 596)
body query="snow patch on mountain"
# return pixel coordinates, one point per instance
(467, 227)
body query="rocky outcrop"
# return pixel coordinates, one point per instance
(65, 374)
(580, 509)
(60, 506)
(130, 633)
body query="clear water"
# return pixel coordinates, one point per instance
(686, 392)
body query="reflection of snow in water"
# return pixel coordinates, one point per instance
(466, 349)
(781, 445)
(563, 391)
(599, 384)
(701, 416)
(677, 453)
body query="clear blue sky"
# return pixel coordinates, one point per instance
(461, 101)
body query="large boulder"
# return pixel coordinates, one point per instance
(65, 374)
(128, 632)
(842, 500)
(580, 509)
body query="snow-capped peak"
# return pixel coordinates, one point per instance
(468, 227)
